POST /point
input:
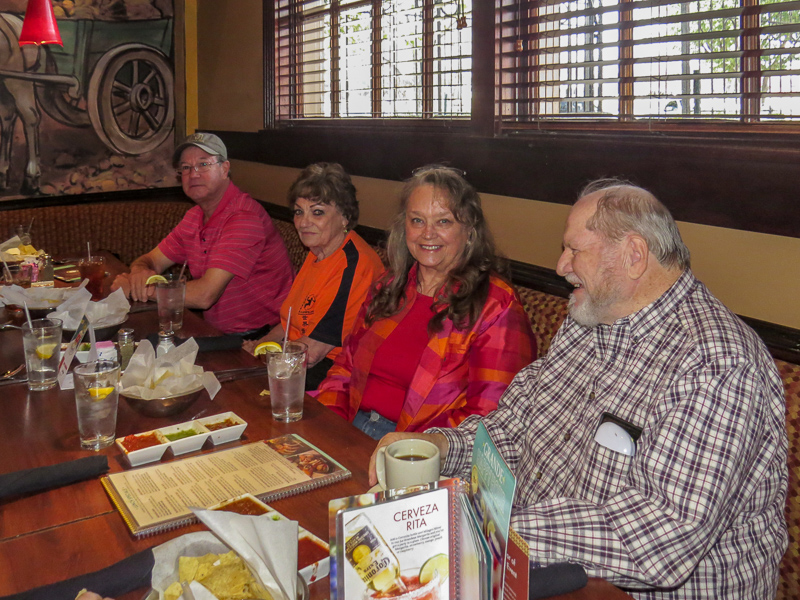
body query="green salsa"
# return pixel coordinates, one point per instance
(179, 435)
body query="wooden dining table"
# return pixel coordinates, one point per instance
(63, 532)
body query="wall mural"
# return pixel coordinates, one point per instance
(96, 115)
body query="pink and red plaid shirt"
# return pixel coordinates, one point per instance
(460, 372)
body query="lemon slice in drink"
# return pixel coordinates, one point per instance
(153, 279)
(98, 393)
(44, 351)
(265, 347)
(438, 562)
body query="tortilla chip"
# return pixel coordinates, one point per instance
(224, 575)
(173, 592)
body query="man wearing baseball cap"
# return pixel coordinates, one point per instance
(240, 269)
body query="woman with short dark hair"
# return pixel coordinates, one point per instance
(338, 272)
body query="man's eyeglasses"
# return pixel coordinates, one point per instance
(201, 167)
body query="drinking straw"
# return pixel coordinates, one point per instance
(28, 314)
(30, 226)
(92, 344)
(89, 250)
(183, 268)
(7, 270)
(286, 333)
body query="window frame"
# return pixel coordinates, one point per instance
(482, 113)
(626, 121)
(485, 101)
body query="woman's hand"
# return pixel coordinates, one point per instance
(274, 335)
(439, 440)
(250, 345)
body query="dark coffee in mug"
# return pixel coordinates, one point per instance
(412, 457)
(407, 462)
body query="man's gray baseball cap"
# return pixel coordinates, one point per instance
(207, 142)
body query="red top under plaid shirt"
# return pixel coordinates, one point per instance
(700, 507)
(238, 238)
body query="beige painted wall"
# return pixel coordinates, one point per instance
(230, 65)
(754, 274)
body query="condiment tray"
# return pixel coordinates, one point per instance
(188, 437)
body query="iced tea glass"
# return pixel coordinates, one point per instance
(19, 274)
(41, 340)
(96, 400)
(287, 381)
(170, 297)
(93, 268)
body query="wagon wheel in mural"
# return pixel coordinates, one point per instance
(57, 103)
(130, 99)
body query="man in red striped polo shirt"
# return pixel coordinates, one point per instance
(240, 269)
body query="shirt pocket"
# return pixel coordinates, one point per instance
(603, 474)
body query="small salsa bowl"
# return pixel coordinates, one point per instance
(191, 437)
(144, 455)
(224, 434)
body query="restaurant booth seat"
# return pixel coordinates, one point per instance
(546, 313)
(126, 229)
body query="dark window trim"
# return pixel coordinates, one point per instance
(735, 181)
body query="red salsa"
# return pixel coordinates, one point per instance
(220, 424)
(139, 442)
(309, 551)
(244, 506)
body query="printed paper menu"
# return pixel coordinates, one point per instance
(155, 498)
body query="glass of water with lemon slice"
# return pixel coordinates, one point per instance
(96, 398)
(41, 339)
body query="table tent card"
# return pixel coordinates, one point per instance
(388, 543)
(492, 486)
(64, 377)
(443, 540)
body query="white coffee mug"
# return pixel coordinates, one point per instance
(407, 462)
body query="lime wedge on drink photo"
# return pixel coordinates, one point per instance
(439, 563)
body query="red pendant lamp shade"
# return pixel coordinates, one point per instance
(39, 26)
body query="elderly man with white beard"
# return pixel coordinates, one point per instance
(693, 507)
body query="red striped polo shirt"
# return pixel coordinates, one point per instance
(238, 238)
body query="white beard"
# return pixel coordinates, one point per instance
(584, 314)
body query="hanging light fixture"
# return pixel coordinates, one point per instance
(39, 26)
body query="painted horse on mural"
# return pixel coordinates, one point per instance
(18, 100)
